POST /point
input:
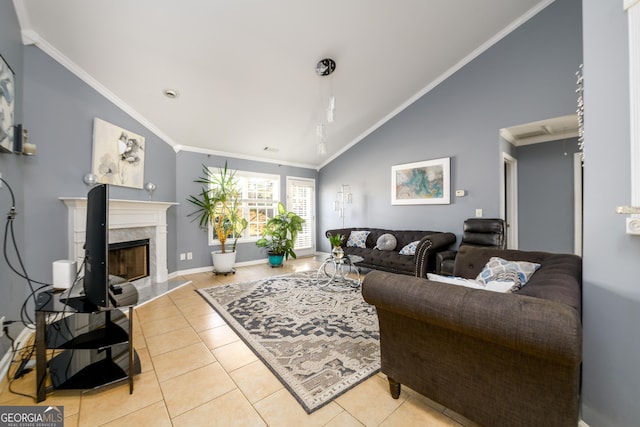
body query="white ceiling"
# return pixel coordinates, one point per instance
(245, 69)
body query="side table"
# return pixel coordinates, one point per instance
(336, 270)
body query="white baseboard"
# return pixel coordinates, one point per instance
(582, 424)
(5, 363)
(210, 268)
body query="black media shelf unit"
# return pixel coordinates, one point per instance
(92, 347)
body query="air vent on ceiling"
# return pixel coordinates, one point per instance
(544, 130)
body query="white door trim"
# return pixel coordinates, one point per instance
(509, 202)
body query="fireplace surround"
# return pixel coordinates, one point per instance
(128, 220)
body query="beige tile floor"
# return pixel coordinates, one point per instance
(197, 372)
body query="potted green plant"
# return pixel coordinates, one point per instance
(218, 205)
(279, 235)
(336, 245)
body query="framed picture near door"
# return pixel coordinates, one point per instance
(7, 106)
(421, 183)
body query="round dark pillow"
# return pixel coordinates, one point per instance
(386, 242)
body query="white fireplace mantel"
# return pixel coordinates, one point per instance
(123, 214)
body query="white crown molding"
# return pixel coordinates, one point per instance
(30, 37)
(179, 148)
(627, 4)
(464, 61)
(100, 88)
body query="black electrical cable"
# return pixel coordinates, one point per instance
(25, 317)
(11, 380)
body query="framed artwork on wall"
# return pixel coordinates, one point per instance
(7, 106)
(421, 183)
(118, 155)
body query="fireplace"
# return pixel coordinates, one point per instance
(129, 220)
(130, 259)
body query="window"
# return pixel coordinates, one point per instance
(260, 196)
(301, 201)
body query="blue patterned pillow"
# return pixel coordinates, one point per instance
(358, 239)
(410, 249)
(498, 269)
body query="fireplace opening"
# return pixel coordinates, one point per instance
(129, 260)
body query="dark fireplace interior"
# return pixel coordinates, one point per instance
(129, 260)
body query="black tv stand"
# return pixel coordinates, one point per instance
(95, 344)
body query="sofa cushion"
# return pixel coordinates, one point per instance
(410, 248)
(386, 242)
(385, 260)
(493, 286)
(358, 239)
(499, 269)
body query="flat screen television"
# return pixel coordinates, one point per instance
(96, 249)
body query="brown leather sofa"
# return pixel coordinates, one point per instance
(499, 359)
(423, 261)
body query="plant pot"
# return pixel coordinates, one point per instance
(223, 262)
(276, 260)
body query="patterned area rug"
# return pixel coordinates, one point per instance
(319, 342)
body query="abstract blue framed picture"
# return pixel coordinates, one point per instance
(422, 183)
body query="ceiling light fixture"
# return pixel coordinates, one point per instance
(324, 68)
(171, 93)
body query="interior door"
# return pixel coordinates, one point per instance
(301, 200)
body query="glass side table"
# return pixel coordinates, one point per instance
(336, 270)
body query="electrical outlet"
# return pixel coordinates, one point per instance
(189, 255)
(183, 257)
(478, 213)
(1, 326)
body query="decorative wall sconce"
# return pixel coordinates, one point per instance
(344, 196)
(150, 187)
(90, 180)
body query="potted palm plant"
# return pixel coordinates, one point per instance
(279, 235)
(218, 205)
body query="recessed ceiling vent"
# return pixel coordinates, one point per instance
(553, 129)
(544, 130)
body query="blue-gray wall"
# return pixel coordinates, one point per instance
(611, 289)
(545, 196)
(527, 76)
(59, 112)
(190, 237)
(12, 289)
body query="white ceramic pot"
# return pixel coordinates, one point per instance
(223, 262)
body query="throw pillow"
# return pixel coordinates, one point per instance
(358, 239)
(493, 286)
(502, 270)
(386, 242)
(410, 249)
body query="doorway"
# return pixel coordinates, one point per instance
(509, 199)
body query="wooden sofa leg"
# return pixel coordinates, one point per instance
(394, 388)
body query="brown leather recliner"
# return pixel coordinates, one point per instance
(476, 232)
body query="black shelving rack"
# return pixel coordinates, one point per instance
(92, 347)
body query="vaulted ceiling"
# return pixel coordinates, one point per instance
(244, 70)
